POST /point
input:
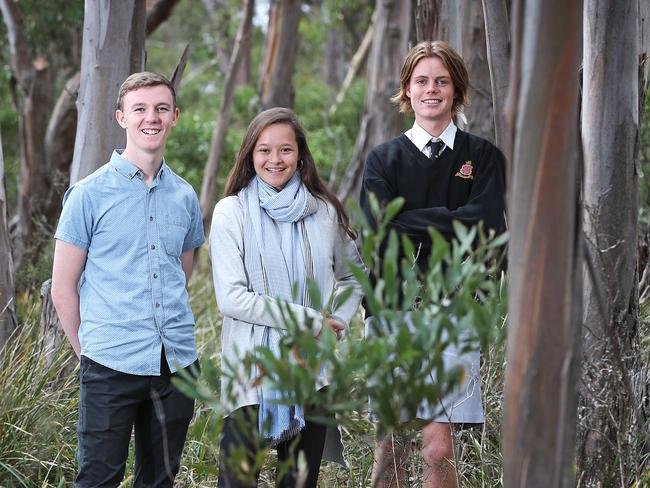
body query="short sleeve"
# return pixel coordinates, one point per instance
(195, 236)
(76, 221)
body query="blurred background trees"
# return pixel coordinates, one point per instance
(336, 62)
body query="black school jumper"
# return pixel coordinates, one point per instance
(466, 183)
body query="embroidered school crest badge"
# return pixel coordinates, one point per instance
(466, 171)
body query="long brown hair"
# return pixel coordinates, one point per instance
(243, 170)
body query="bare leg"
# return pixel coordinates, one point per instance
(390, 458)
(438, 455)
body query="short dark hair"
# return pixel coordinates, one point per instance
(140, 80)
(452, 61)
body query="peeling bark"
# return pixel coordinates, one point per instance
(427, 16)
(611, 422)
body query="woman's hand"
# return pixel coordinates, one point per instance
(337, 327)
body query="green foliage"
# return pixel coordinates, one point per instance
(331, 138)
(39, 408)
(53, 26)
(188, 147)
(33, 274)
(458, 301)
(44, 407)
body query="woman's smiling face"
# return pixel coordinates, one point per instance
(275, 156)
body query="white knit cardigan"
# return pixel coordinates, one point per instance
(243, 308)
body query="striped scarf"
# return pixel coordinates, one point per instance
(277, 255)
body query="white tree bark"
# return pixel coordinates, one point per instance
(614, 379)
(113, 48)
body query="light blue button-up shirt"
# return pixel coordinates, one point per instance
(132, 291)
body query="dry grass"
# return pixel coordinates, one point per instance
(38, 416)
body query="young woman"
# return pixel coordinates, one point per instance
(444, 174)
(277, 227)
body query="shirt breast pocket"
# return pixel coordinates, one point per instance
(173, 235)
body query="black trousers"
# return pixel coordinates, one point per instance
(111, 405)
(240, 441)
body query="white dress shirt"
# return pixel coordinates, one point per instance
(420, 137)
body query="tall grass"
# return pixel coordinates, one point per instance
(38, 414)
(37, 408)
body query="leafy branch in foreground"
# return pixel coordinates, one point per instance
(459, 300)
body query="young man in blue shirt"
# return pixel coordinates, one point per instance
(122, 261)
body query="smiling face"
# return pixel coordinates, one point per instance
(148, 115)
(431, 92)
(275, 155)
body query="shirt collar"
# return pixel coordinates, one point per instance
(421, 137)
(130, 170)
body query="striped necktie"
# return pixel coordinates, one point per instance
(436, 148)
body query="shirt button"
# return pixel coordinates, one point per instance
(157, 305)
(151, 218)
(153, 246)
(155, 275)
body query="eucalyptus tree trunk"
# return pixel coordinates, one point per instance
(479, 113)
(8, 321)
(276, 78)
(381, 120)
(356, 62)
(113, 48)
(497, 36)
(62, 126)
(427, 19)
(59, 145)
(614, 380)
(244, 75)
(439, 20)
(334, 65)
(33, 92)
(544, 253)
(461, 24)
(208, 186)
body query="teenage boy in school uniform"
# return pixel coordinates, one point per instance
(444, 174)
(122, 260)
